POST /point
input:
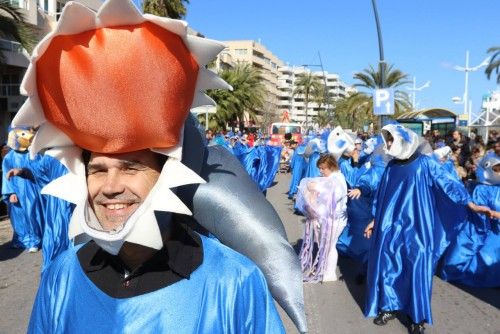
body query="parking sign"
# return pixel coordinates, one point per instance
(383, 102)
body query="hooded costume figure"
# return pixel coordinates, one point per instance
(418, 208)
(339, 143)
(79, 85)
(25, 214)
(352, 241)
(473, 257)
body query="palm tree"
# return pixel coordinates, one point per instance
(494, 63)
(323, 118)
(174, 9)
(358, 107)
(307, 85)
(13, 27)
(246, 98)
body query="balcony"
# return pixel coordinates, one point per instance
(14, 53)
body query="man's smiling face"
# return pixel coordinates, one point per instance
(118, 184)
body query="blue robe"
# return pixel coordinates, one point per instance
(56, 212)
(261, 162)
(473, 258)
(419, 207)
(352, 241)
(298, 166)
(350, 173)
(25, 215)
(312, 169)
(226, 294)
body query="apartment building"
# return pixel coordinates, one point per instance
(295, 104)
(256, 54)
(43, 16)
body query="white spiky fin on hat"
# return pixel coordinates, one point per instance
(141, 227)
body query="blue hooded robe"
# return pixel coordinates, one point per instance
(298, 166)
(25, 215)
(473, 258)
(56, 212)
(352, 241)
(226, 294)
(418, 207)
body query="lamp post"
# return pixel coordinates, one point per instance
(416, 89)
(467, 69)
(381, 63)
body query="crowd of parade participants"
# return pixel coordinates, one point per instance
(405, 207)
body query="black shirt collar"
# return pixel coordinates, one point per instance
(181, 255)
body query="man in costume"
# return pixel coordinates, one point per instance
(145, 269)
(418, 208)
(21, 194)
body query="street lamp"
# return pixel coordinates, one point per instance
(415, 89)
(381, 63)
(468, 69)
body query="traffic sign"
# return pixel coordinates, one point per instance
(383, 102)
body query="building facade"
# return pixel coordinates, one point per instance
(295, 105)
(256, 54)
(42, 15)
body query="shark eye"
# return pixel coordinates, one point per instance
(487, 164)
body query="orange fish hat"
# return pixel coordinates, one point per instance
(116, 81)
(112, 82)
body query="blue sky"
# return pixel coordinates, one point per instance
(423, 38)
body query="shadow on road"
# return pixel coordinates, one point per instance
(7, 253)
(487, 295)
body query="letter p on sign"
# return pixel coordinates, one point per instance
(383, 102)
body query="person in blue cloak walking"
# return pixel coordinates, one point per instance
(418, 208)
(141, 268)
(21, 193)
(473, 257)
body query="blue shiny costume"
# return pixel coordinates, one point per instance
(350, 173)
(352, 242)
(312, 169)
(298, 166)
(473, 258)
(226, 294)
(25, 215)
(56, 212)
(418, 209)
(261, 162)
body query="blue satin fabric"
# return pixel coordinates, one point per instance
(56, 212)
(473, 258)
(226, 294)
(261, 162)
(298, 166)
(418, 208)
(25, 215)
(352, 242)
(312, 169)
(350, 173)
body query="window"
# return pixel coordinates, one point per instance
(240, 51)
(19, 3)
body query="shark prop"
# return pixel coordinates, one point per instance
(79, 84)
(340, 142)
